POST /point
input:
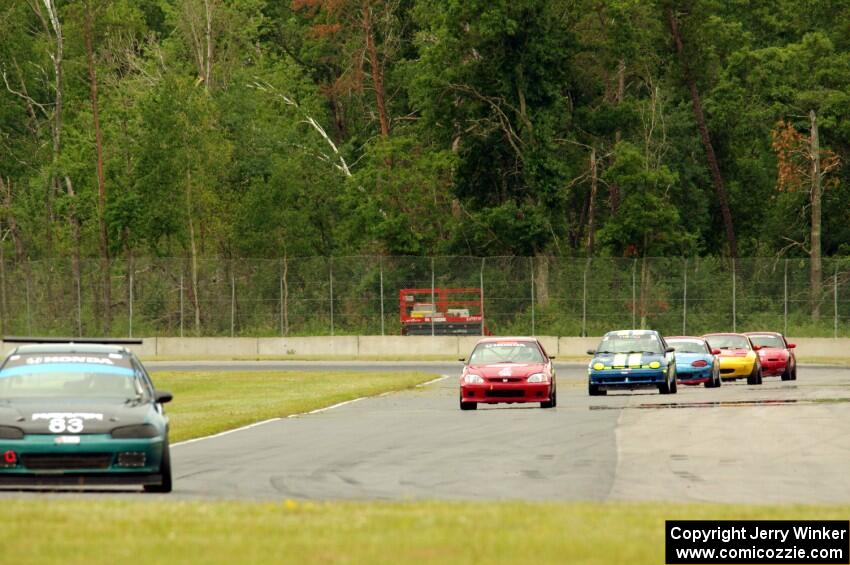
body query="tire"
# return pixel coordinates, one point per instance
(669, 387)
(794, 373)
(755, 377)
(552, 402)
(674, 384)
(719, 381)
(468, 405)
(786, 374)
(164, 470)
(593, 390)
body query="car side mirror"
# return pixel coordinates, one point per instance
(163, 396)
(792, 345)
(462, 359)
(670, 350)
(715, 352)
(756, 347)
(591, 352)
(551, 357)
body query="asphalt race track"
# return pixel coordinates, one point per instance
(781, 442)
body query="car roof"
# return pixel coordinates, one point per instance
(669, 337)
(633, 332)
(505, 339)
(725, 333)
(70, 348)
(777, 334)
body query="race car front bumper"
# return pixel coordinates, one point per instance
(772, 368)
(628, 378)
(492, 393)
(96, 459)
(735, 368)
(690, 375)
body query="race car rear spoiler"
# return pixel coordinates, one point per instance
(101, 340)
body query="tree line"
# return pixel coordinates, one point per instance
(260, 128)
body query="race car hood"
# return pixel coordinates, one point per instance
(507, 369)
(633, 360)
(772, 353)
(735, 352)
(96, 416)
(688, 358)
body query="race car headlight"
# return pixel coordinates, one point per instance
(538, 378)
(473, 379)
(139, 431)
(9, 432)
(655, 365)
(598, 366)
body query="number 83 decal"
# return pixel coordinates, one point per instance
(61, 425)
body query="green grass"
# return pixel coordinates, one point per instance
(116, 531)
(207, 403)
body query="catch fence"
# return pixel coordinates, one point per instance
(540, 295)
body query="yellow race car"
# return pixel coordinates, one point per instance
(738, 357)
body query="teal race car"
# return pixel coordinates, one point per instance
(81, 412)
(632, 359)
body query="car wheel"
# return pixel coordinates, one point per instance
(674, 384)
(665, 388)
(718, 382)
(593, 390)
(164, 470)
(753, 378)
(794, 373)
(468, 405)
(786, 374)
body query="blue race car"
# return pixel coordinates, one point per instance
(696, 362)
(632, 359)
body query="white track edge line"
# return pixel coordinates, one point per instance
(432, 381)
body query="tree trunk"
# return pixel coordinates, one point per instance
(541, 279)
(591, 208)
(193, 249)
(816, 268)
(76, 234)
(621, 90)
(101, 181)
(377, 71)
(714, 168)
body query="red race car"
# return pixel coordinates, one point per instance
(776, 355)
(508, 369)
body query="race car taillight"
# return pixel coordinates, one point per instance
(699, 363)
(10, 459)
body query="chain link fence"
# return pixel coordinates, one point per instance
(360, 295)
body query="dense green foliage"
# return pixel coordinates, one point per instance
(415, 127)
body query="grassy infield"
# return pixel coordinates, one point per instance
(104, 530)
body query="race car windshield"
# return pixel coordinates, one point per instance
(513, 352)
(69, 376)
(687, 346)
(728, 342)
(647, 343)
(768, 341)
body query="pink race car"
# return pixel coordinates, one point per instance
(776, 355)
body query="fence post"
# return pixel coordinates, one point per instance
(29, 308)
(685, 300)
(232, 303)
(734, 298)
(835, 301)
(130, 321)
(531, 269)
(381, 273)
(433, 300)
(331, 278)
(481, 292)
(634, 293)
(584, 299)
(181, 300)
(785, 301)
